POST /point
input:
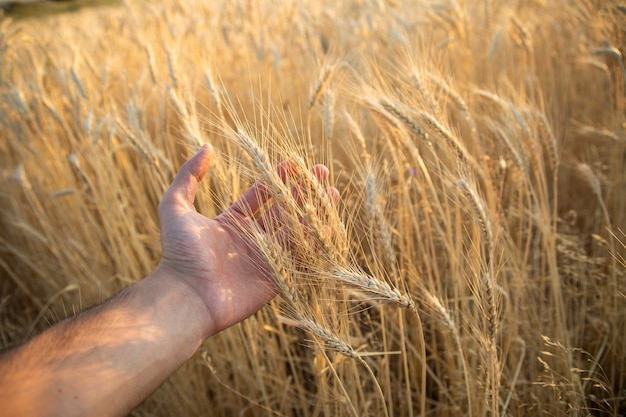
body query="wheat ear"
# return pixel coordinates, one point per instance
(382, 232)
(335, 343)
(321, 84)
(281, 267)
(430, 101)
(405, 119)
(367, 283)
(479, 210)
(460, 103)
(358, 134)
(453, 143)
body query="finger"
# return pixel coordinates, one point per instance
(251, 200)
(182, 191)
(257, 195)
(270, 220)
(185, 184)
(286, 170)
(321, 172)
(273, 217)
(300, 192)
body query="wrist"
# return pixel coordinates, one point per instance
(187, 308)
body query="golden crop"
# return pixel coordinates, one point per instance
(476, 262)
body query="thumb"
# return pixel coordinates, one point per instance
(182, 191)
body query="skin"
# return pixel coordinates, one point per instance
(108, 359)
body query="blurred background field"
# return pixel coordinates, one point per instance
(479, 147)
(25, 9)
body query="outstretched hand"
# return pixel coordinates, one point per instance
(218, 258)
(212, 275)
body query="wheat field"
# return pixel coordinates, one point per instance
(476, 262)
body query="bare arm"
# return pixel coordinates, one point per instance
(108, 359)
(105, 361)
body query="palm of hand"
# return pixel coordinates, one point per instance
(220, 265)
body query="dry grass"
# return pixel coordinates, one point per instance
(475, 264)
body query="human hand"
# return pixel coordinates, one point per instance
(218, 258)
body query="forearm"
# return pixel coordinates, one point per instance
(108, 359)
